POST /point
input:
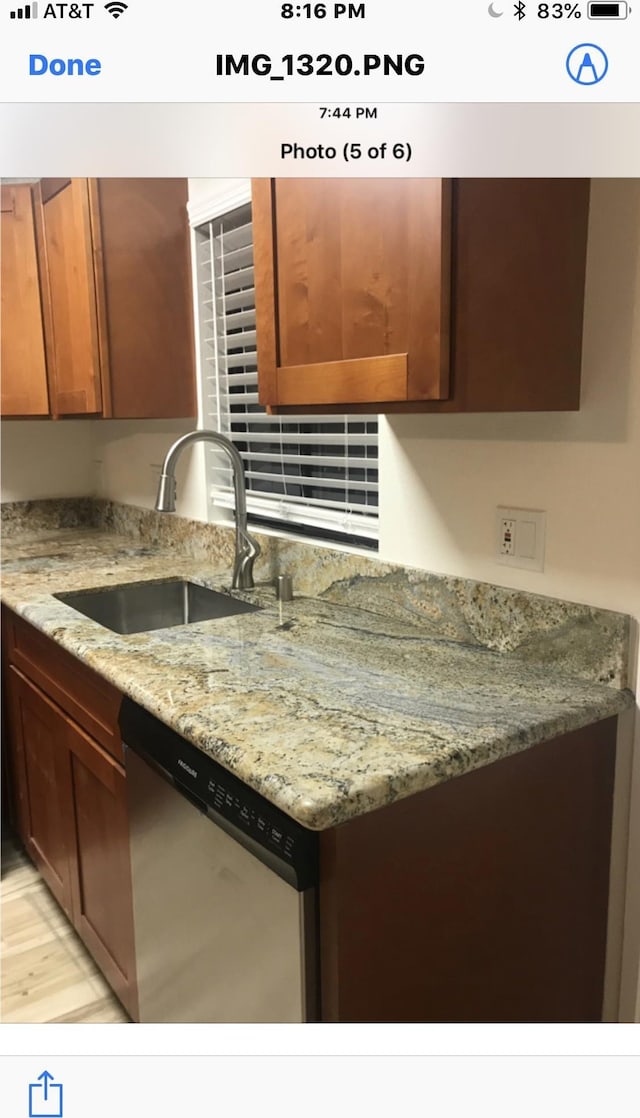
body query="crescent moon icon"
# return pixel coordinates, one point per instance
(493, 13)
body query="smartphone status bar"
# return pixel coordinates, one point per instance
(275, 52)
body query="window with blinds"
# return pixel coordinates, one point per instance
(318, 474)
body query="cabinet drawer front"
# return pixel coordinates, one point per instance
(90, 700)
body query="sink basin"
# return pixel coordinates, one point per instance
(141, 606)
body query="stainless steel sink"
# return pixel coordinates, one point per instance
(141, 606)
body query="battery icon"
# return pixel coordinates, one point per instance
(607, 11)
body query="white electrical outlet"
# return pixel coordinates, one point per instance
(520, 538)
(507, 542)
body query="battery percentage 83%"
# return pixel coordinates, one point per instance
(559, 11)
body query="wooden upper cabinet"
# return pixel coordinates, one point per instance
(24, 360)
(114, 256)
(352, 290)
(76, 375)
(118, 259)
(382, 295)
(141, 236)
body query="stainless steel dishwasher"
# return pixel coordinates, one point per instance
(224, 888)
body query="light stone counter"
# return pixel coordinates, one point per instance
(385, 683)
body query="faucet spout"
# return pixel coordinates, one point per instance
(247, 548)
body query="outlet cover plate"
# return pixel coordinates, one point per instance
(528, 538)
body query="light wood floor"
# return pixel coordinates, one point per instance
(47, 975)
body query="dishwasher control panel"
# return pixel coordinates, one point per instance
(256, 821)
(283, 844)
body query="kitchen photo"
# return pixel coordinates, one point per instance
(320, 600)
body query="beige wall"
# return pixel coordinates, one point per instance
(129, 457)
(115, 458)
(45, 458)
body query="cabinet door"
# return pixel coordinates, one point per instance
(352, 290)
(24, 364)
(75, 379)
(102, 901)
(141, 238)
(42, 780)
(518, 291)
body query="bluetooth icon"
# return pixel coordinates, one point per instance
(519, 10)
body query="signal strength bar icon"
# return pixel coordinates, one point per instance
(30, 11)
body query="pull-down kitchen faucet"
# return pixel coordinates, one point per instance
(247, 549)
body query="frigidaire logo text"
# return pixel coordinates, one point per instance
(184, 765)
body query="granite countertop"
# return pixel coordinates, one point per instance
(330, 706)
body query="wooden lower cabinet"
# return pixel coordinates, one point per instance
(483, 899)
(101, 874)
(71, 814)
(42, 783)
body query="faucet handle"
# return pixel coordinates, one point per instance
(246, 556)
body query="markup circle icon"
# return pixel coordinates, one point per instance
(587, 64)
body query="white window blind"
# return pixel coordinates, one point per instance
(317, 471)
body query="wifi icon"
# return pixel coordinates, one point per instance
(115, 8)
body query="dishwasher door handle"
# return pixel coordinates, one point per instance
(190, 796)
(169, 777)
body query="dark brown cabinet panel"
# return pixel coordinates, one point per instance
(487, 894)
(24, 357)
(518, 294)
(41, 773)
(142, 237)
(420, 294)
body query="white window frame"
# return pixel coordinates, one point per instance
(231, 195)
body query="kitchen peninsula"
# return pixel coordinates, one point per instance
(452, 743)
